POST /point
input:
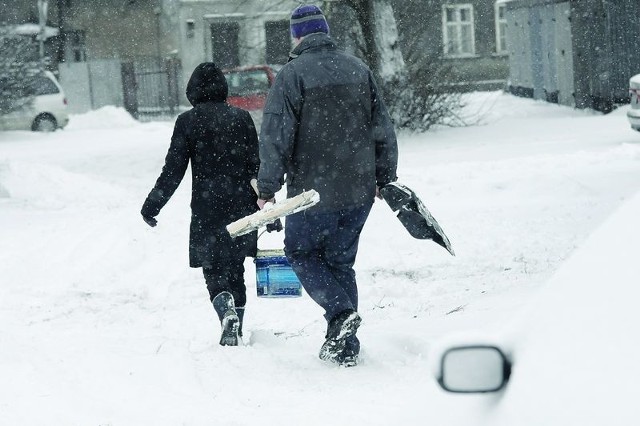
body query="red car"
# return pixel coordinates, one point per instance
(248, 86)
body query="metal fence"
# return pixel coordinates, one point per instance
(148, 88)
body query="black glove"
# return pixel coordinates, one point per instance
(266, 196)
(151, 221)
(276, 225)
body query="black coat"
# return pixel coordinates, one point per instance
(326, 127)
(221, 143)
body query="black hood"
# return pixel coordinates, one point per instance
(207, 84)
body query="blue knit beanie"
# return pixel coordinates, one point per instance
(306, 20)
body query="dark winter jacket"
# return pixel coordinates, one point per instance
(222, 145)
(326, 126)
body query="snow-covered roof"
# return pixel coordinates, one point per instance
(34, 29)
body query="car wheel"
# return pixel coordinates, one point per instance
(44, 123)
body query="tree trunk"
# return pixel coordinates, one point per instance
(365, 15)
(389, 56)
(380, 35)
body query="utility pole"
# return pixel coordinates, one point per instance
(158, 12)
(43, 6)
(62, 28)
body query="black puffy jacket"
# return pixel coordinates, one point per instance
(221, 143)
(326, 127)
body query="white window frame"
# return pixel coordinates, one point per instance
(458, 24)
(501, 25)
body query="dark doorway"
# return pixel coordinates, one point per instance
(224, 44)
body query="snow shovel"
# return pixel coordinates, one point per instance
(413, 214)
(272, 212)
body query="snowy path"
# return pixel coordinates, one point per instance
(103, 323)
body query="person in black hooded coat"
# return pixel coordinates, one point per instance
(221, 143)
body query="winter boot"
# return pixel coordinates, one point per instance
(240, 312)
(349, 356)
(341, 327)
(223, 304)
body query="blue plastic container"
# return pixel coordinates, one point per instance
(274, 276)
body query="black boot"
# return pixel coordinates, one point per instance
(224, 306)
(240, 312)
(341, 327)
(349, 356)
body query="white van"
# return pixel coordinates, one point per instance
(46, 113)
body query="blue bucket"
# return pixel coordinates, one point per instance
(274, 276)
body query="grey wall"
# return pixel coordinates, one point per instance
(540, 50)
(118, 28)
(91, 85)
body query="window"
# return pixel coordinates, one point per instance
(458, 31)
(191, 28)
(278, 41)
(224, 43)
(75, 46)
(501, 28)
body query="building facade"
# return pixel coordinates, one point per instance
(468, 35)
(95, 29)
(229, 33)
(156, 43)
(574, 52)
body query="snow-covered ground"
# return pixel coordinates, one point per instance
(103, 323)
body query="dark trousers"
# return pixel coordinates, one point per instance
(227, 275)
(322, 248)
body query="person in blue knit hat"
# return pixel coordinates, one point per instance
(326, 128)
(307, 20)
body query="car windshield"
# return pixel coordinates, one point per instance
(243, 83)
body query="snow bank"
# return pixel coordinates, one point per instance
(107, 117)
(489, 107)
(51, 188)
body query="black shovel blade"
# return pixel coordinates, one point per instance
(418, 228)
(414, 215)
(396, 195)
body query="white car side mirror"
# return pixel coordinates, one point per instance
(474, 369)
